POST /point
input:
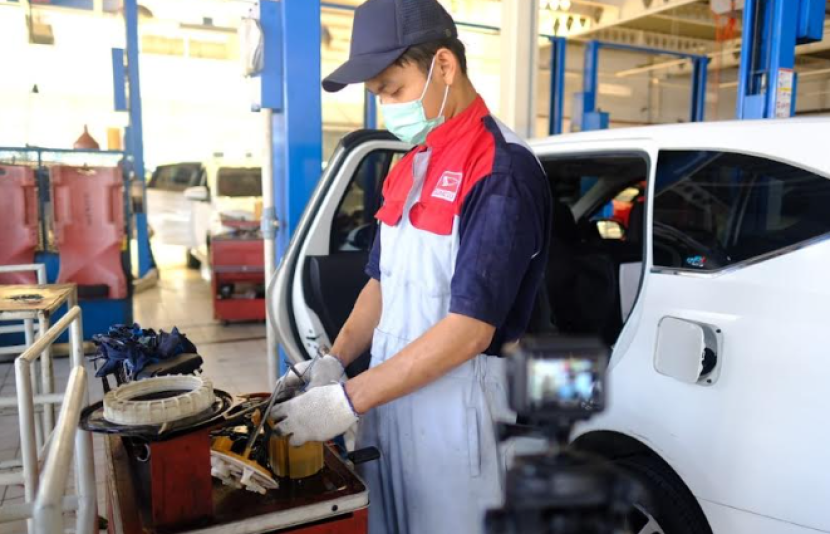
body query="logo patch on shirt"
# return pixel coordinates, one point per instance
(447, 186)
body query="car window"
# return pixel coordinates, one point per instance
(714, 209)
(353, 227)
(176, 177)
(239, 182)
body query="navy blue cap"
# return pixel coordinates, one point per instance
(382, 31)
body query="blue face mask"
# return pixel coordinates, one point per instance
(408, 121)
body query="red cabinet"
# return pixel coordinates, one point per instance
(238, 278)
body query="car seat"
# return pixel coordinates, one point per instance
(581, 282)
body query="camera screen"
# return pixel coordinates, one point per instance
(564, 382)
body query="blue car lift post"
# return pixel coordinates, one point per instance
(558, 49)
(127, 97)
(293, 112)
(767, 81)
(586, 116)
(370, 111)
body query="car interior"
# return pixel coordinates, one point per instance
(597, 228)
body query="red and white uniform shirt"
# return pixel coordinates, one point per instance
(478, 185)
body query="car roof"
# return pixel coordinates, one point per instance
(692, 129)
(215, 165)
(799, 140)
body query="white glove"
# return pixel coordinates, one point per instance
(316, 372)
(319, 414)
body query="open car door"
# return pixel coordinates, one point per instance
(322, 272)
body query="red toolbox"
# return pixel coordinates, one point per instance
(238, 279)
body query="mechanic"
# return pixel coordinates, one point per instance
(455, 268)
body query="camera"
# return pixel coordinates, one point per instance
(555, 382)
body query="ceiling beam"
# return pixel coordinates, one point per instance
(686, 20)
(665, 41)
(631, 10)
(727, 58)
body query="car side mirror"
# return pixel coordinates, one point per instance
(198, 193)
(610, 229)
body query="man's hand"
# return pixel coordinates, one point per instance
(356, 335)
(316, 372)
(319, 414)
(452, 341)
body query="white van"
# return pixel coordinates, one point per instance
(230, 192)
(700, 253)
(168, 211)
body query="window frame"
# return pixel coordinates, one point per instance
(378, 193)
(233, 169)
(157, 184)
(582, 207)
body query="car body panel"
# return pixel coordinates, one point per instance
(168, 211)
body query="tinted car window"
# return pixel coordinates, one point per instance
(239, 182)
(176, 177)
(354, 224)
(713, 209)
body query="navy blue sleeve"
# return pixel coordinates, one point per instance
(373, 265)
(503, 227)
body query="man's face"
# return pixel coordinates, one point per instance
(401, 84)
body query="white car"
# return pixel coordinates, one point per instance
(230, 192)
(699, 253)
(168, 211)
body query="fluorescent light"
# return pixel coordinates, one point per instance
(612, 89)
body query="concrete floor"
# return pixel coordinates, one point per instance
(234, 357)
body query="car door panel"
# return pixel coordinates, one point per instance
(200, 214)
(302, 330)
(737, 442)
(168, 216)
(168, 210)
(331, 285)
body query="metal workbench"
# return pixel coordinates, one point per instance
(30, 303)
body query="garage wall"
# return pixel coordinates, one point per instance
(631, 100)
(193, 107)
(661, 97)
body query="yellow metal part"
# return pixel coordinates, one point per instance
(294, 462)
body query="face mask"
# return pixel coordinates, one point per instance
(408, 121)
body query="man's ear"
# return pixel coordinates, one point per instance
(447, 65)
